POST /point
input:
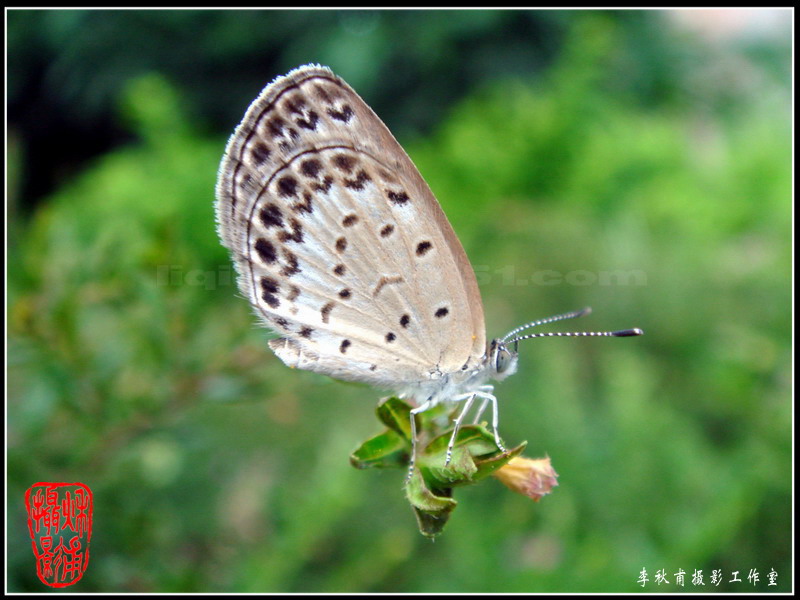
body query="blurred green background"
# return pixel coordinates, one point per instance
(638, 162)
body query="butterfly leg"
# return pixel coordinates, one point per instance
(414, 412)
(480, 411)
(470, 399)
(484, 388)
(489, 397)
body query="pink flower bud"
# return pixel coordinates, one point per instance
(531, 477)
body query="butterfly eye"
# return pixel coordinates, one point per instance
(502, 360)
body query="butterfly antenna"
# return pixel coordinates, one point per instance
(621, 333)
(570, 315)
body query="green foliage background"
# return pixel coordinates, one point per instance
(601, 142)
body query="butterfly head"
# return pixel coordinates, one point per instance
(502, 360)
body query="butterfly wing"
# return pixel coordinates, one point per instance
(339, 243)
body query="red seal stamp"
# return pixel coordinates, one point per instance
(60, 526)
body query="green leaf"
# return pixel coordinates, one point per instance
(387, 449)
(396, 415)
(475, 437)
(491, 464)
(429, 489)
(432, 508)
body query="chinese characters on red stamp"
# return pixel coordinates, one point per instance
(60, 526)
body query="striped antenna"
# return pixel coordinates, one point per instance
(570, 315)
(620, 333)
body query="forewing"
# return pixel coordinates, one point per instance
(339, 243)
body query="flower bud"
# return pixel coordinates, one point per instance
(531, 477)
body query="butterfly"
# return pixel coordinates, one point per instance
(343, 250)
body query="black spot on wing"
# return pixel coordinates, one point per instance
(344, 115)
(423, 248)
(358, 183)
(271, 216)
(266, 251)
(287, 186)
(344, 162)
(398, 198)
(260, 153)
(275, 126)
(326, 311)
(269, 290)
(311, 167)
